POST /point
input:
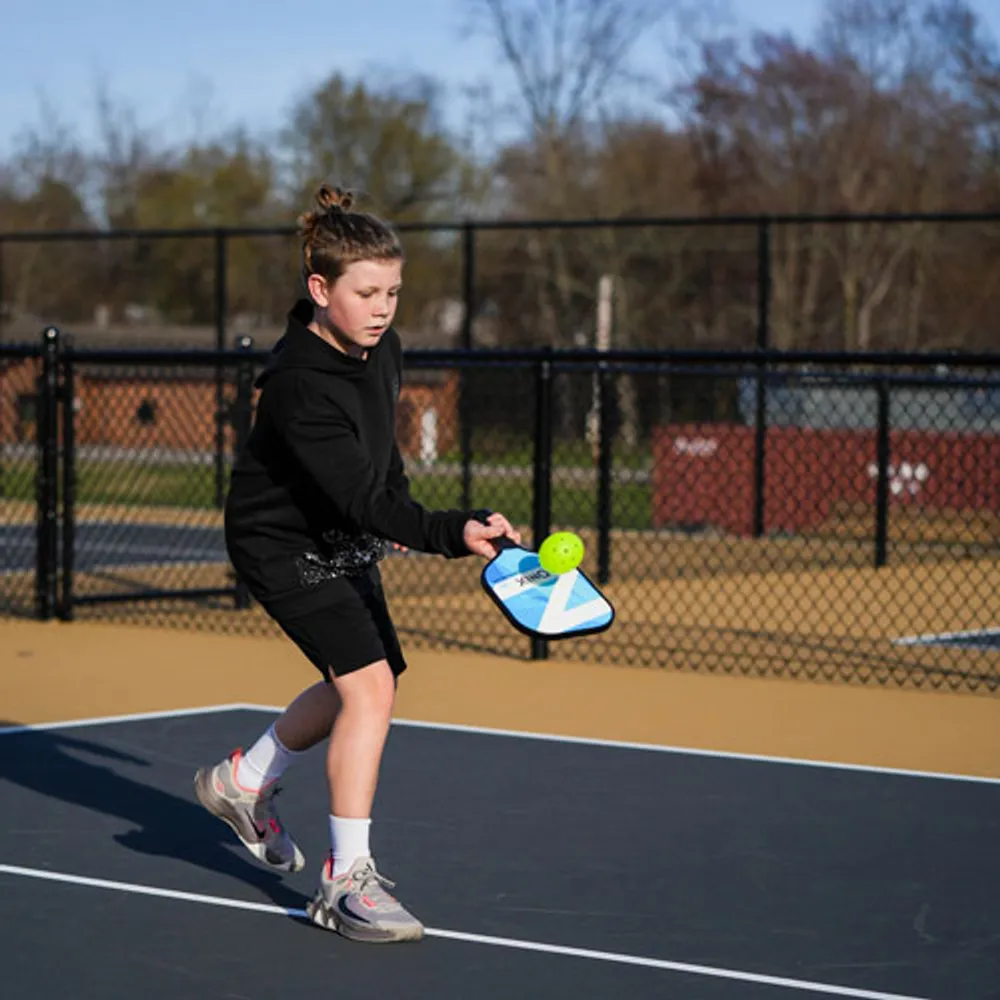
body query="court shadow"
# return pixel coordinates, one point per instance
(80, 772)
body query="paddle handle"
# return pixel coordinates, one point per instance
(503, 542)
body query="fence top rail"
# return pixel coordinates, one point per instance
(557, 358)
(18, 352)
(804, 379)
(589, 357)
(166, 368)
(485, 225)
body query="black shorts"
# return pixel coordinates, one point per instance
(349, 630)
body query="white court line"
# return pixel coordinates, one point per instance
(523, 735)
(176, 713)
(802, 985)
(680, 751)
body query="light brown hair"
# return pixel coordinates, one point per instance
(333, 236)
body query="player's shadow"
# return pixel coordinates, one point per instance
(81, 772)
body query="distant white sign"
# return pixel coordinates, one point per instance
(906, 478)
(698, 447)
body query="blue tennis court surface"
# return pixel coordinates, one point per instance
(542, 868)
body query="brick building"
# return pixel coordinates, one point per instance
(175, 409)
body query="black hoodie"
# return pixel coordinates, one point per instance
(320, 486)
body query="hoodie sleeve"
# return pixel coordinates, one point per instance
(323, 441)
(396, 478)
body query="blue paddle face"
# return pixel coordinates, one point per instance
(543, 604)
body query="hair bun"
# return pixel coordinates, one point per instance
(334, 236)
(329, 199)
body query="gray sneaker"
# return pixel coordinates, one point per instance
(356, 905)
(251, 815)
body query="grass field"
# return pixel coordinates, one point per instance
(192, 487)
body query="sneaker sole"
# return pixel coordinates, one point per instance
(256, 848)
(323, 916)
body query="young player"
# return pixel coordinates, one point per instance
(316, 498)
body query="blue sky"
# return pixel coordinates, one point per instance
(187, 65)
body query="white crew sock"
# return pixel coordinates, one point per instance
(266, 761)
(349, 838)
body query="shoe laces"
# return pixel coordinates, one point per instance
(370, 882)
(265, 801)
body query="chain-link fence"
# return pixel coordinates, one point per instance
(20, 371)
(803, 282)
(788, 515)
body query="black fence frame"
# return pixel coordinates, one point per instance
(469, 228)
(55, 473)
(763, 223)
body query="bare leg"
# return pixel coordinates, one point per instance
(358, 738)
(309, 719)
(351, 898)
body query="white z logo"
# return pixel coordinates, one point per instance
(556, 619)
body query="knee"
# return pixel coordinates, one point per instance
(371, 690)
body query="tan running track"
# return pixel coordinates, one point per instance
(57, 672)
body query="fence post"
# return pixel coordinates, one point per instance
(68, 504)
(762, 343)
(542, 478)
(606, 430)
(464, 393)
(882, 459)
(221, 294)
(242, 420)
(46, 483)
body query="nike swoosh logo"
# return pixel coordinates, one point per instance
(261, 834)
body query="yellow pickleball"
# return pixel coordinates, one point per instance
(561, 552)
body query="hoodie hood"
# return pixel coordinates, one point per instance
(299, 347)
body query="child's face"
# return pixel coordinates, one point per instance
(360, 305)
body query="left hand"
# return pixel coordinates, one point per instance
(479, 537)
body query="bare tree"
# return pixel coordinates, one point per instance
(853, 125)
(881, 38)
(910, 148)
(388, 143)
(566, 55)
(125, 151)
(47, 189)
(569, 60)
(971, 65)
